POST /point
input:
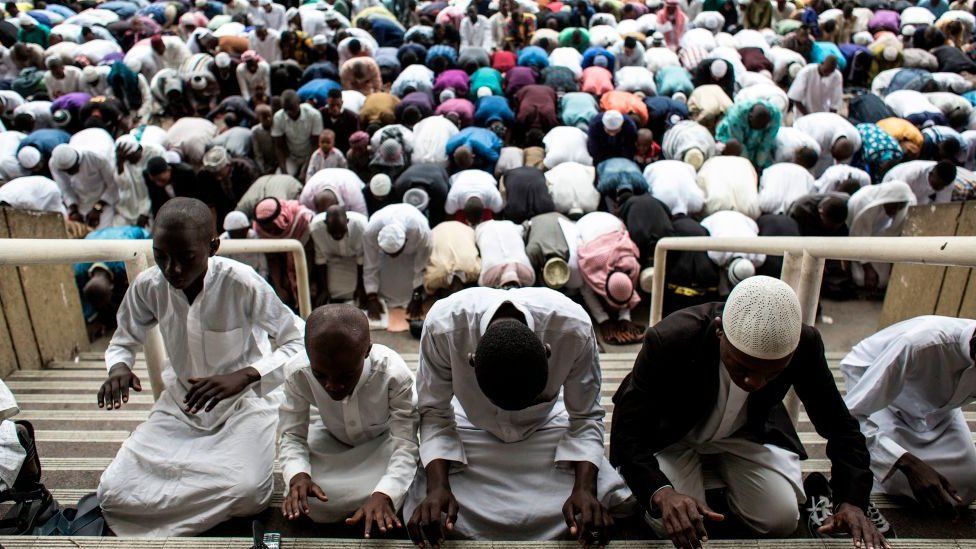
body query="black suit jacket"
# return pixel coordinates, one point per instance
(674, 386)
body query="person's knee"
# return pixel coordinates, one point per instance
(774, 514)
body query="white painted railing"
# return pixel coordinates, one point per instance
(138, 256)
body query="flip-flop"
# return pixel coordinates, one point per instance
(88, 519)
(33, 508)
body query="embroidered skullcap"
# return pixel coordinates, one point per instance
(235, 221)
(613, 120)
(762, 318)
(380, 185)
(555, 273)
(719, 69)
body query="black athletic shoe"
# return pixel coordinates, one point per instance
(820, 507)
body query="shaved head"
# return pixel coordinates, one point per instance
(336, 222)
(325, 199)
(337, 342)
(186, 214)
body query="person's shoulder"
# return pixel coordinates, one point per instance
(390, 362)
(234, 273)
(681, 330)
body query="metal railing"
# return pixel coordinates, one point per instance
(138, 256)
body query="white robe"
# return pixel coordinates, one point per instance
(95, 180)
(826, 128)
(916, 174)
(351, 448)
(572, 189)
(782, 184)
(730, 183)
(12, 453)
(473, 184)
(343, 258)
(732, 224)
(181, 474)
(829, 181)
(685, 136)
(395, 278)
(673, 182)
(511, 470)
(817, 93)
(789, 140)
(907, 385)
(430, 137)
(866, 217)
(133, 193)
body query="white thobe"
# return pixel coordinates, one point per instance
(732, 224)
(866, 217)
(572, 189)
(781, 185)
(250, 81)
(268, 48)
(789, 140)
(257, 261)
(839, 173)
(274, 19)
(133, 193)
(94, 181)
(343, 257)
(827, 128)
(33, 192)
(500, 243)
(569, 58)
(730, 183)
(566, 144)
(473, 184)
(395, 278)
(181, 474)
(907, 385)
(344, 184)
(782, 59)
(12, 453)
(905, 103)
(511, 470)
(817, 93)
(673, 183)
(430, 137)
(477, 34)
(916, 174)
(763, 482)
(71, 83)
(362, 444)
(686, 136)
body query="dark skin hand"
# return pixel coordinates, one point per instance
(115, 390)
(75, 215)
(931, 489)
(377, 510)
(143, 221)
(209, 391)
(426, 519)
(415, 309)
(300, 487)
(587, 519)
(684, 518)
(848, 518)
(374, 309)
(93, 218)
(870, 277)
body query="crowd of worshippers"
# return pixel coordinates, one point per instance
(419, 148)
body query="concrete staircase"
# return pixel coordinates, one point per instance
(77, 441)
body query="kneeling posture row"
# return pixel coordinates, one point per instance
(504, 417)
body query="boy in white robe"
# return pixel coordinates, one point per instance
(907, 385)
(207, 452)
(357, 464)
(523, 441)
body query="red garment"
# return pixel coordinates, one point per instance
(486, 215)
(672, 37)
(502, 60)
(597, 80)
(604, 255)
(292, 222)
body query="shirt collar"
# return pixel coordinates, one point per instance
(493, 308)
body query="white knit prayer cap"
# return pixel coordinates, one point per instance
(613, 120)
(63, 157)
(740, 269)
(29, 157)
(380, 185)
(719, 69)
(762, 318)
(392, 238)
(222, 60)
(235, 220)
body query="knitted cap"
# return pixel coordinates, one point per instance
(762, 318)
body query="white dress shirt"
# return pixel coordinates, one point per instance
(328, 248)
(473, 184)
(916, 174)
(417, 246)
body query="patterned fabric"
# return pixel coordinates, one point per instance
(877, 148)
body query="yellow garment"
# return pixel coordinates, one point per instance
(708, 104)
(378, 11)
(454, 253)
(909, 137)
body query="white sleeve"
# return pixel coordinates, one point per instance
(403, 428)
(593, 305)
(371, 260)
(439, 438)
(293, 420)
(421, 257)
(270, 314)
(135, 318)
(583, 440)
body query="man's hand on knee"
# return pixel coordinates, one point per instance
(684, 517)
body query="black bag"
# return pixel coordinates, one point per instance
(867, 108)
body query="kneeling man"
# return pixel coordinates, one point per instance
(519, 454)
(708, 386)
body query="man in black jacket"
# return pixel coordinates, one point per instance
(710, 381)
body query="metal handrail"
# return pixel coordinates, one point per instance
(138, 256)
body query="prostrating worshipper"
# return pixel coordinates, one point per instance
(708, 384)
(931, 181)
(337, 235)
(396, 249)
(131, 159)
(473, 197)
(782, 184)
(237, 226)
(673, 182)
(332, 186)
(821, 214)
(879, 151)
(282, 187)
(839, 140)
(609, 263)
(775, 225)
(647, 220)
(611, 135)
(424, 184)
(793, 145)
(818, 87)
(737, 266)
(877, 210)
(504, 263)
(216, 316)
(285, 219)
(730, 183)
(355, 464)
(907, 385)
(552, 243)
(474, 148)
(690, 142)
(753, 124)
(32, 192)
(84, 169)
(34, 150)
(520, 457)
(526, 194)
(454, 261)
(842, 178)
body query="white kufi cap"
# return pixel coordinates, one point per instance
(29, 157)
(63, 157)
(762, 318)
(613, 120)
(380, 185)
(235, 221)
(719, 68)
(392, 238)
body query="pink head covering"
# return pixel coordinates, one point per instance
(619, 287)
(250, 55)
(358, 138)
(281, 219)
(610, 268)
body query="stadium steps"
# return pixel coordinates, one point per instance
(77, 440)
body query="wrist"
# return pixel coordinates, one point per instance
(299, 477)
(660, 495)
(251, 374)
(120, 368)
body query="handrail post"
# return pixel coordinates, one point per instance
(153, 348)
(811, 277)
(657, 293)
(301, 278)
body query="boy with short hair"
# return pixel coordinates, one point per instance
(359, 462)
(207, 452)
(326, 156)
